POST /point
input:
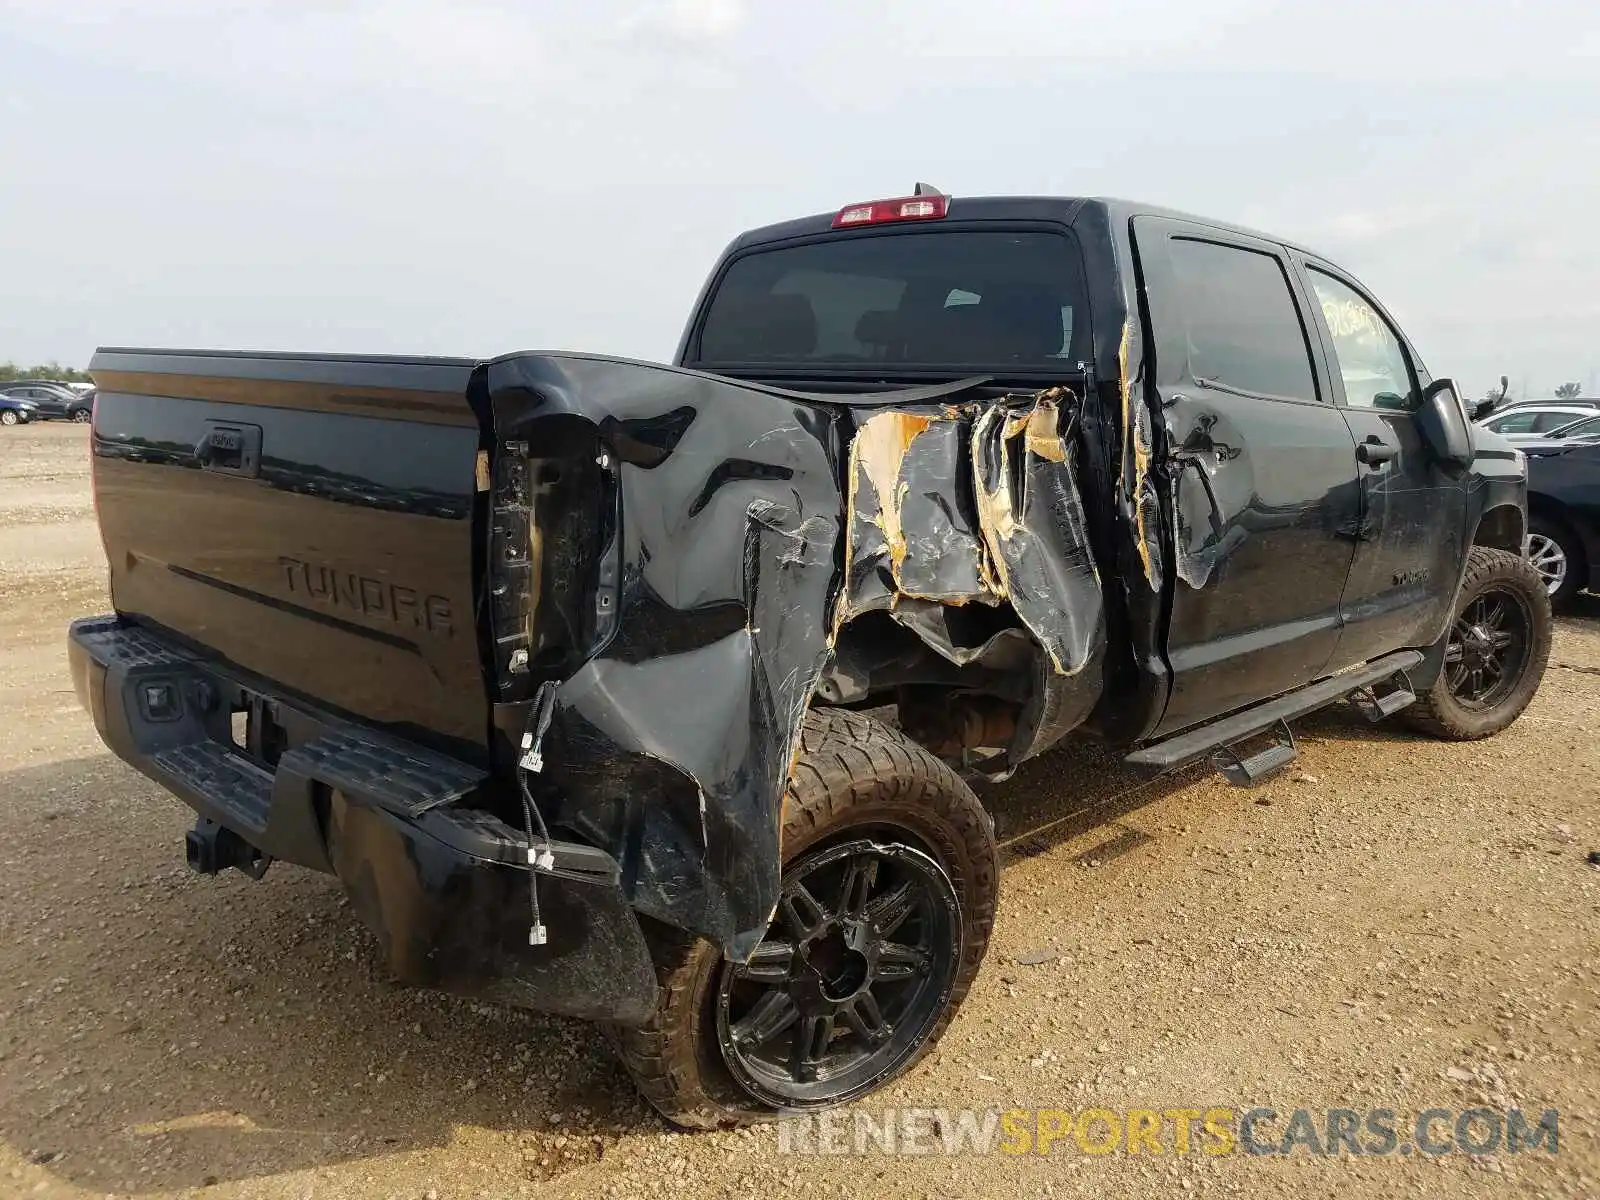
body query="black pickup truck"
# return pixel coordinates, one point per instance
(650, 694)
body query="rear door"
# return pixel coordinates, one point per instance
(1260, 471)
(1413, 535)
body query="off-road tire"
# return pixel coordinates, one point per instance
(854, 776)
(1438, 712)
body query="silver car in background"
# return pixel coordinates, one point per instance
(1523, 422)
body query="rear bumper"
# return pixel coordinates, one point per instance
(444, 887)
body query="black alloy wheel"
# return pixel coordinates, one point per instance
(1488, 648)
(854, 973)
(883, 903)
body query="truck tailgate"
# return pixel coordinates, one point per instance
(309, 519)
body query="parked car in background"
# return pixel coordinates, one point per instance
(1524, 421)
(16, 411)
(53, 401)
(1586, 429)
(1564, 514)
(1591, 403)
(1571, 434)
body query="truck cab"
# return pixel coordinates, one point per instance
(1265, 501)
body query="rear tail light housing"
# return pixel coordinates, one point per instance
(886, 212)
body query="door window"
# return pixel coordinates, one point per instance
(1587, 428)
(1522, 422)
(1371, 360)
(1551, 420)
(1244, 329)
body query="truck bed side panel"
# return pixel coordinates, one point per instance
(752, 526)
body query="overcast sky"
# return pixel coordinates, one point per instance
(410, 176)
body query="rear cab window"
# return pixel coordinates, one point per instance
(970, 300)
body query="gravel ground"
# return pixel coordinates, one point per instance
(1395, 923)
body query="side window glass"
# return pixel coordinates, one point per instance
(1371, 360)
(1244, 330)
(1515, 423)
(1582, 429)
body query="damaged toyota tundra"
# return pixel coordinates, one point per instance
(655, 695)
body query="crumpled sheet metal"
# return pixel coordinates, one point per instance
(671, 746)
(1138, 440)
(979, 504)
(754, 524)
(1204, 546)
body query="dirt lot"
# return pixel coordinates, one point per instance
(1396, 923)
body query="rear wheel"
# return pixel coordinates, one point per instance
(888, 894)
(1495, 652)
(1557, 554)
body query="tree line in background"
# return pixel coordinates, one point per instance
(49, 370)
(1565, 391)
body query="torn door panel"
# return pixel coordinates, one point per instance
(1139, 448)
(737, 530)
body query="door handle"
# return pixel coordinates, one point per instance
(230, 449)
(1374, 451)
(1183, 459)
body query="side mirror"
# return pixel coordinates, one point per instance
(1443, 423)
(1483, 408)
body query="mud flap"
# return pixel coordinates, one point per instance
(455, 921)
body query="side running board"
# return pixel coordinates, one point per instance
(1260, 766)
(1222, 734)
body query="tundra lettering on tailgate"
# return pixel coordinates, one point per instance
(367, 596)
